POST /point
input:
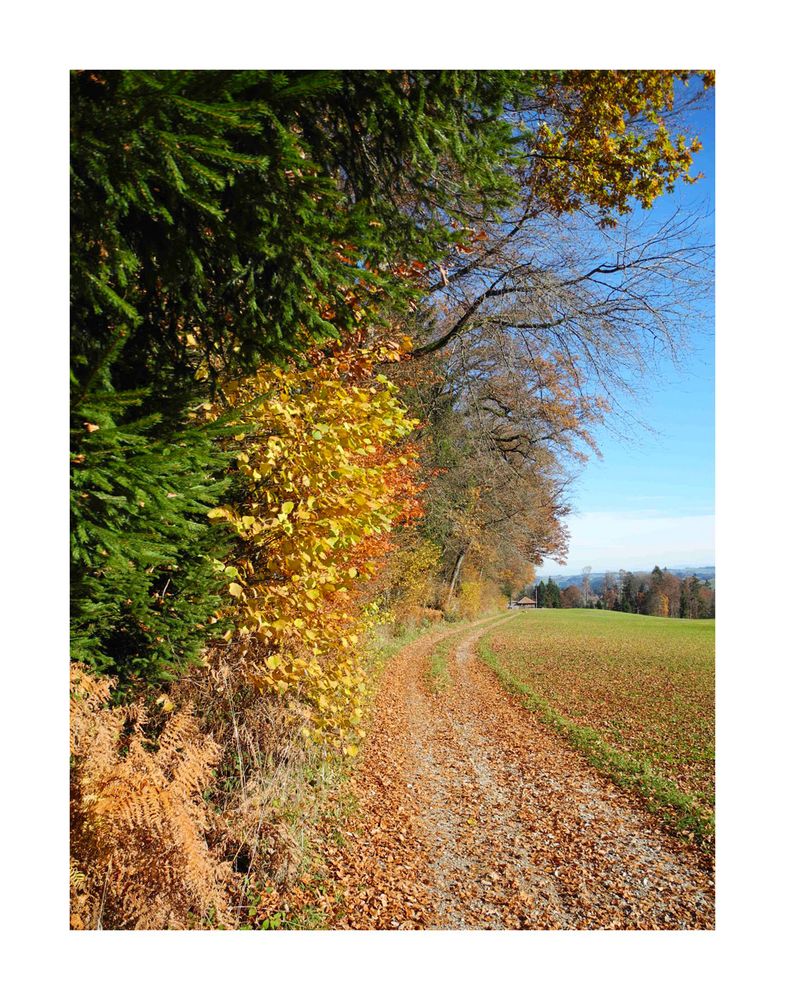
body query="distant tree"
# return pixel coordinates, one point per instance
(572, 597)
(552, 594)
(695, 596)
(651, 604)
(671, 588)
(706, 600)
(659, 593)
(696, 599)
(586, 585)
(684, 600)
(541, 595)
(610, 591)
(642, 587)
(628, 593)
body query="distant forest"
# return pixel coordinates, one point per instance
(663, 592)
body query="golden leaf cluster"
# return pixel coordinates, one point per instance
(321, 481)
(606, 140)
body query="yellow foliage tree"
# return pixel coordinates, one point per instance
(605, 139)
(407, 582)
(321, 481)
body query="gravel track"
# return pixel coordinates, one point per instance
(473, 814)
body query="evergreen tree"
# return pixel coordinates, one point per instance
(684, 600)
(691, 604)
(145, 577)
(552, 594)
(628, 596)
(656, 602)
(541, 595)
(220, 217)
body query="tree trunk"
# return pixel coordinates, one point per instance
(455, 575)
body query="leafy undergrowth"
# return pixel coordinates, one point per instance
(192, 811)
(207, 808)
(634, 694)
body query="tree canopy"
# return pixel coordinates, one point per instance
(226, 221)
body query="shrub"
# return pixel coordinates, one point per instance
(320, 483)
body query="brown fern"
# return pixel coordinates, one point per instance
(147, 851)
(141, 829)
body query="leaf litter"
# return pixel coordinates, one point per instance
(470, 813)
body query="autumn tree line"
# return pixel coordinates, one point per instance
(658, 593)
(339, 341)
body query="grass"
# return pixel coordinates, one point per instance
(438, 671)
(439, 668)
(634, 694)
(387, 640)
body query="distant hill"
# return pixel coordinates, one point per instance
(597, 580)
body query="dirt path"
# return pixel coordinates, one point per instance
(471, 813)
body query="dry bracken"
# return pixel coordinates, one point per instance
(144, 848)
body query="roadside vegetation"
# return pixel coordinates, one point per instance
(634, 694)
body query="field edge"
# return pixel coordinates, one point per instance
(678, 811)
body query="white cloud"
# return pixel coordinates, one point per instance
(637, 540)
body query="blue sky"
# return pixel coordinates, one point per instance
(652, 500)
